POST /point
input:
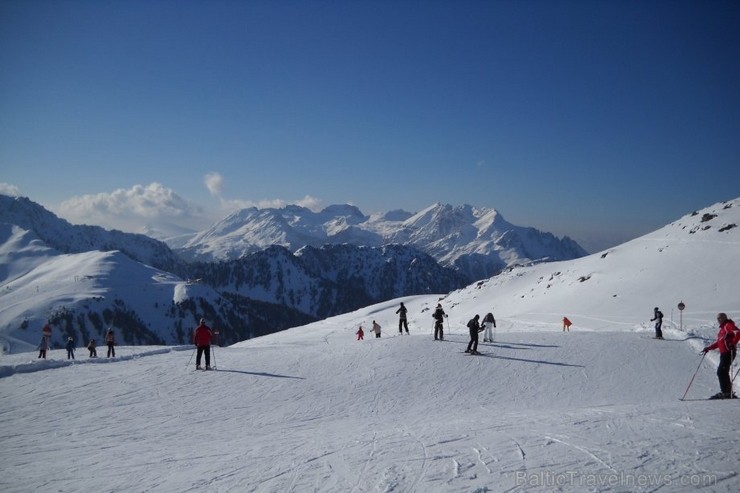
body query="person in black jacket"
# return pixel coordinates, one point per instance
(439, 316)
(474, 327)
(70, 348)
(658, 319)
(402, 322)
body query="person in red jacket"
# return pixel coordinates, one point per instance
(202, 340)
(727, 339)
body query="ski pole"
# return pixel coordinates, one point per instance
(734, 377)
(191, 358)
(694, 375)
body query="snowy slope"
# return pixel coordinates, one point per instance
(38, 284)
(68, 238)
(312, 409)
(694, 260)
(43, 283)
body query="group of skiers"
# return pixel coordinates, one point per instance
(439, 315)
(375, 329)
(202, 337)
(474, 328)
(45, 344)
(727, 339)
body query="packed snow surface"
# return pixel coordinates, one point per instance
(313, 409)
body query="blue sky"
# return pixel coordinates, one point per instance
(602, 120)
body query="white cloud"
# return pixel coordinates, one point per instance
(159, 211)
(215, 183)
(308, 202)
(9, 190)
(141, 207)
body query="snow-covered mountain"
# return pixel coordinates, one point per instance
(85, 278)
(67, 238)
(477, 242)
(273, 289)
(323, 281)
(313, 409)
(82, 294)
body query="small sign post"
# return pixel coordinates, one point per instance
(681, 306)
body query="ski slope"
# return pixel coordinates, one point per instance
(312, 409)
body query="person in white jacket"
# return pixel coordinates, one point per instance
(376, 329)
(489, 323)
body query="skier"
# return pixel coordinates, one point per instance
(488, 323)
(70, 348)
(658, 319)
(439, 316)
(202, 340)
(43, 346)
(727, 339)
(566, 324)
(110, 341)
(474, 327)
(376, 329)
(360, 334)
(402, 322)
(91, 346)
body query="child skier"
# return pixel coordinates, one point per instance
(91, 346)
(360, 334)
(43, 346)
(70, 348)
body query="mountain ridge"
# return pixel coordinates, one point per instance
(477, 242)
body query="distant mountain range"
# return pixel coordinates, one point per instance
(85, 278)
(478, 243)
(255, 272)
